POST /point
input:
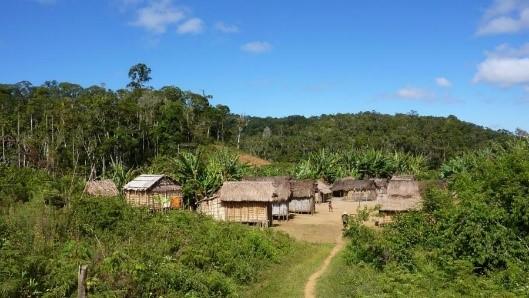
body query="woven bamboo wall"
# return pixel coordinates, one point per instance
(155, 201)
(280, 208)
(213, 208)
(249, 212)
(302, 205)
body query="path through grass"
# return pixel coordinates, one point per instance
(288, 278)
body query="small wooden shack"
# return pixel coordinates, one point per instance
(251, 201)
(279, 207)
(155, 192)
(355, 190)
(302, 198)
(101, 188)
(403, 195)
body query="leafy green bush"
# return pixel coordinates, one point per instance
(477, 228)
(129, 252)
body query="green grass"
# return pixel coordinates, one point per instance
(288, 278)
(360, 280)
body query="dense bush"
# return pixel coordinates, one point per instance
(479, 226)
(130, 252)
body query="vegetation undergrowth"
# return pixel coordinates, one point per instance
(470, 239)
(129, 252)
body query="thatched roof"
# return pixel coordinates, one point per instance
(254, 191)
(302, 188)
(350, 183)
(403, 188)
(146, 182)
(101, 188)
(323, 187)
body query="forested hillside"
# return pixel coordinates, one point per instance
(64, 127)
(437, 138)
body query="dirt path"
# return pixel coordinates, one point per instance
(310, 286)
(322, 227)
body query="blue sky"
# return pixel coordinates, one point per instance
(275, 58)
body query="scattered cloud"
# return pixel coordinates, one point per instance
(158, 15)
(504, 67)
(443, 82)
(256, 47)
(226, 28)
(191, 26)
(505, 16)
(413, 93)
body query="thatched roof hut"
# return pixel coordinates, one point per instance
(252, 201)
(101, 188)
(279, 208)
(403, 195)
(351, 183)
(356, 190)
(154, 192)
(303, 196)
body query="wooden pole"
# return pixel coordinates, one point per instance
(81, 281)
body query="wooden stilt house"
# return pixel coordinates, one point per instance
(302, 197)
(155, 192)
(279, 207)
(251, 201)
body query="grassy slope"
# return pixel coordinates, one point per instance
(288, 278)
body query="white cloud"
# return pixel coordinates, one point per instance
(191, 26)
(443, 82)
(505, 66)
(226, 28)
(505, 16)
(256, 47)
(413, 93)
(158, 15)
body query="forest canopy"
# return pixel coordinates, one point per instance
(63, 127)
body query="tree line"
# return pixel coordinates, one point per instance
(65, 128)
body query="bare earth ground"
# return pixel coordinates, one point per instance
(322, 227)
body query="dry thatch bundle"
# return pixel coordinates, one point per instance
(302, 188)
(350, 183)
(254, 191)
(101, 188)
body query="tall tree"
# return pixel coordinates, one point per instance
(139, 74)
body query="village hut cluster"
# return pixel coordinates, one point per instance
(261, 200)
